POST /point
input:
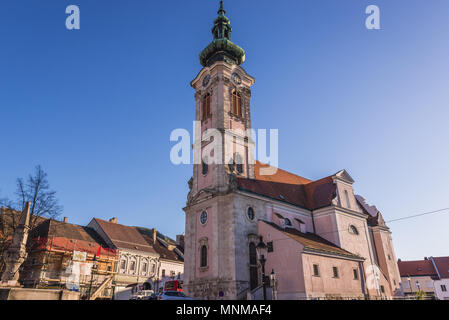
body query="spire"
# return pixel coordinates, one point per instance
(221, 48)
(221, 11)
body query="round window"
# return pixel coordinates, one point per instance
(203, 217)
(250, 214)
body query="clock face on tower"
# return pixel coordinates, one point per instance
(236, 78)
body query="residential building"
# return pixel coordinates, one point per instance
(430, 275)
(138, 261)
(441, 265)
(171, 257)
(69, 256)
(234, 199)
(418, 276)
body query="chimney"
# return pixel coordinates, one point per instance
(113, 220)
(65, 219)
(154, 235)
(180, 240)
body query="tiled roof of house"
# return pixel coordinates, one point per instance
(57, 235)
(125, 237)
(287, 187)
(314, 242)
(442, 264)
(160, 247)
(417, 268)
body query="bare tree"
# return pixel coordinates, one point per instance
(44, 204)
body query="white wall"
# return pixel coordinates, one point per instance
(438, 290)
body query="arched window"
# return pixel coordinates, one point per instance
(288, 222)
(239, 163)
(353, 229)
(231, 165)
(206, 106)
(203, 258)
(253, 273)
(236, 103)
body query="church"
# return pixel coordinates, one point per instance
(323, 240)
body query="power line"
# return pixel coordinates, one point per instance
(418, 215)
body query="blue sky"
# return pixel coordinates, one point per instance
(96, 106)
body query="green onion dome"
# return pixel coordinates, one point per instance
(222, 48)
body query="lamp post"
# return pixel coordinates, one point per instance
(273, 283)
(262, 251)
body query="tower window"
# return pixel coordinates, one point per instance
(239, 163)
(206, 106)
(203, 258)
(236, 104)
(231, 165)
(203, 217)
(253, 269)
(204, 167)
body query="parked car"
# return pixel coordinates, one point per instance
(142, 295)
(173, 295)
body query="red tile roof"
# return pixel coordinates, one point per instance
(281, 176)
(314, 242)
(125, 237)
(290, 188)
(56, 235)
(442, 264)
(417, 268)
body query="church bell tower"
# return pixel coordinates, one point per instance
(222, 96)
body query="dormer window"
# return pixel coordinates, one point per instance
(236, 104)
(206, 106)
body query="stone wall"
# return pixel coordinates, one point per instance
(37, 294)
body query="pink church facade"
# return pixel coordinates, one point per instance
(327, 242)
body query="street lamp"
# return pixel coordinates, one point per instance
(273, 283)
(262, 251)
